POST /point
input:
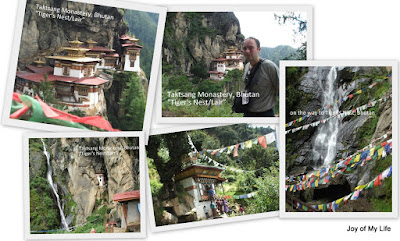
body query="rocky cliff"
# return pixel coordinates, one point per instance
(191, 38)
(74, 174)
(44, 35)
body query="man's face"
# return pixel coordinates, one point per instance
(250, 50)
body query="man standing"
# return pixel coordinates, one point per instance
(264, 82)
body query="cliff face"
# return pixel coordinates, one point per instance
(43, 36)
(194, 37)
(74, 174)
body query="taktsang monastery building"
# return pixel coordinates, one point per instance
(131, 53)
(130, 213)
(230, 60)
(74, 75)
(197, 180)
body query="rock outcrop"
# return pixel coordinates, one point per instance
(45, 36)
(191, 38)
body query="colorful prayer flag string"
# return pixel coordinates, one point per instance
(343, 114)
(333, 206)
(348, 97)
(39, 111)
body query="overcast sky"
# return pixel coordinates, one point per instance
(262, 25)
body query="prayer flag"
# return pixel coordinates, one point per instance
(248, 144)
(262, 141)
(380, 152)
(378, 180)
(357, 159)
(235, 151)
(355, 195)
(230, 149)
(360, 187)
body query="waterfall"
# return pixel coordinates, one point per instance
(50, 180)
(325, 142)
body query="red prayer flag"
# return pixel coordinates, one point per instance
(262, 141)
(15, 97)
(235, 151)
(378, 180)
(17, 114)
(54, 113)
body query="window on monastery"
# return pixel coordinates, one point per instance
(89, 71)
(132, 58)
(83, 91)
(109, 62)
(65, 70)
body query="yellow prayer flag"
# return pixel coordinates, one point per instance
(380, 151)
(360, 187)
(316, 182)
(371, 152)
(321, 207)
(248, 144)
(357, 159)
(291, 187)
(339, 200)
(359, 92)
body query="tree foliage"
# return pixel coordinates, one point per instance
(45, 90)
(299, 34)
(43, 212)
(169, 162)
(132, 103)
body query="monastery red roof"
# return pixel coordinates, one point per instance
(44, 69)
(220, 59)
(131, 44)
(36, 77)
(127, 37)
(116, 55)
(101, 49)
(91, 81)
(126, 196)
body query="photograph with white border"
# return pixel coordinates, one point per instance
(210, 174)
(208, 57)
(90, 65)
(340, 122)
(84, 185)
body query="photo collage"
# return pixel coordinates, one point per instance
(152, 118)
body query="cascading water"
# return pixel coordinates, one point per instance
(325, 142)
(50, 180)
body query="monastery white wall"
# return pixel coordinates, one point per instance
(127, 65)
(133, 214)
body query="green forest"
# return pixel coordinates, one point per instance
(168, 155)
(127, 101)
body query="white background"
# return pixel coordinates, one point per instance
(343, 29)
